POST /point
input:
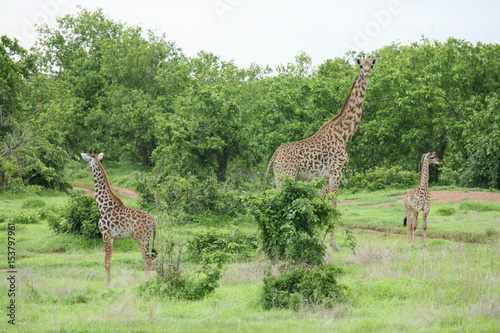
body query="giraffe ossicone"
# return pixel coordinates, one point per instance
(118, 221)
(324, 154)
(419, 199)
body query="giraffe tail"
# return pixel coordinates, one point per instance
(404, 222)
(267, 171)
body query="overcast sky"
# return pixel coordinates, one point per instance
(272, 32)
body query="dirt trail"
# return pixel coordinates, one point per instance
(447, 196)
(119, 190)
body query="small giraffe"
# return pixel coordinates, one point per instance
(419, 199)
(118, 221)
(324, 154)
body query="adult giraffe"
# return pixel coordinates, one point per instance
(118, 221)
(324, 154)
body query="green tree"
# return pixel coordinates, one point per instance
(206, 131)
(111, 71)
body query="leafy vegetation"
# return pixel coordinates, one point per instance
(79, 217)
(200, 130)
(206, 118)
(294, 221)
(304, 286)
(235, 242)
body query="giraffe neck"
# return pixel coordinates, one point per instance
(104, 195)
(344, 125)
(423, 185)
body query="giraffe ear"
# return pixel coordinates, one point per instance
(100, 156)
(374, 61)
(358, 61)
(86, 157)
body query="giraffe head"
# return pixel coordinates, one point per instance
(366, 66)
(91, 160)
(433, 158)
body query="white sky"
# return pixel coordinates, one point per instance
(272, 32)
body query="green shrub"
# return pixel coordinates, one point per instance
(446, 211)
(293, 221)
(80, 216)
(33, 203)
(235, 242)
(174, 280)
(26, 217)
(187, 196)
(380, 178)
(306, 286)
(480, 206)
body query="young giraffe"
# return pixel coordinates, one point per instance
(419, 199)
(324, 154)
(118, 221)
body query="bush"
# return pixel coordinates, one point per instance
(26, 217)
(480, 206)
(293, 221)
(80, 216)
(303, 287)
(235, 243)
(174, 280)
(380, 178)
(33, 203)
(184, 197)
(446, 211)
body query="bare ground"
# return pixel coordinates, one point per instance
(119, 190)
(454, 197)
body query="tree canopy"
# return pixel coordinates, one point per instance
(95, 84)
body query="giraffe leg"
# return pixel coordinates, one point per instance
(333, 187)
(414, 228)
(108, 248)
(408, 217)
(424, 227)
(146, 256)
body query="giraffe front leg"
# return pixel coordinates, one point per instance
(108, 248)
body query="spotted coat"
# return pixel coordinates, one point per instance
(324, 154)
(419, 199)
(117, 220)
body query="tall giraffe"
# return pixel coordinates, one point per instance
(118, 221)
(324, 154)
(419, 199)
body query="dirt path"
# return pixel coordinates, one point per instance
(119, 190)
(447, 196)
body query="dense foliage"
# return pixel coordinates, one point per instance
(80, 216)
(294, 221)
(94, 84)
(309, 286)
(174, 278)
(236, 243)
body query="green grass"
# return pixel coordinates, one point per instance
(469, 221)
(451, 286)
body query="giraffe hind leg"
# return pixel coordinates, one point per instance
(108, 248)
(146, 256)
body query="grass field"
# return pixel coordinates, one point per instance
(452, 286)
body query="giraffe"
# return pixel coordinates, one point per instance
(118, 221)
(419, 199)
(324, 154)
